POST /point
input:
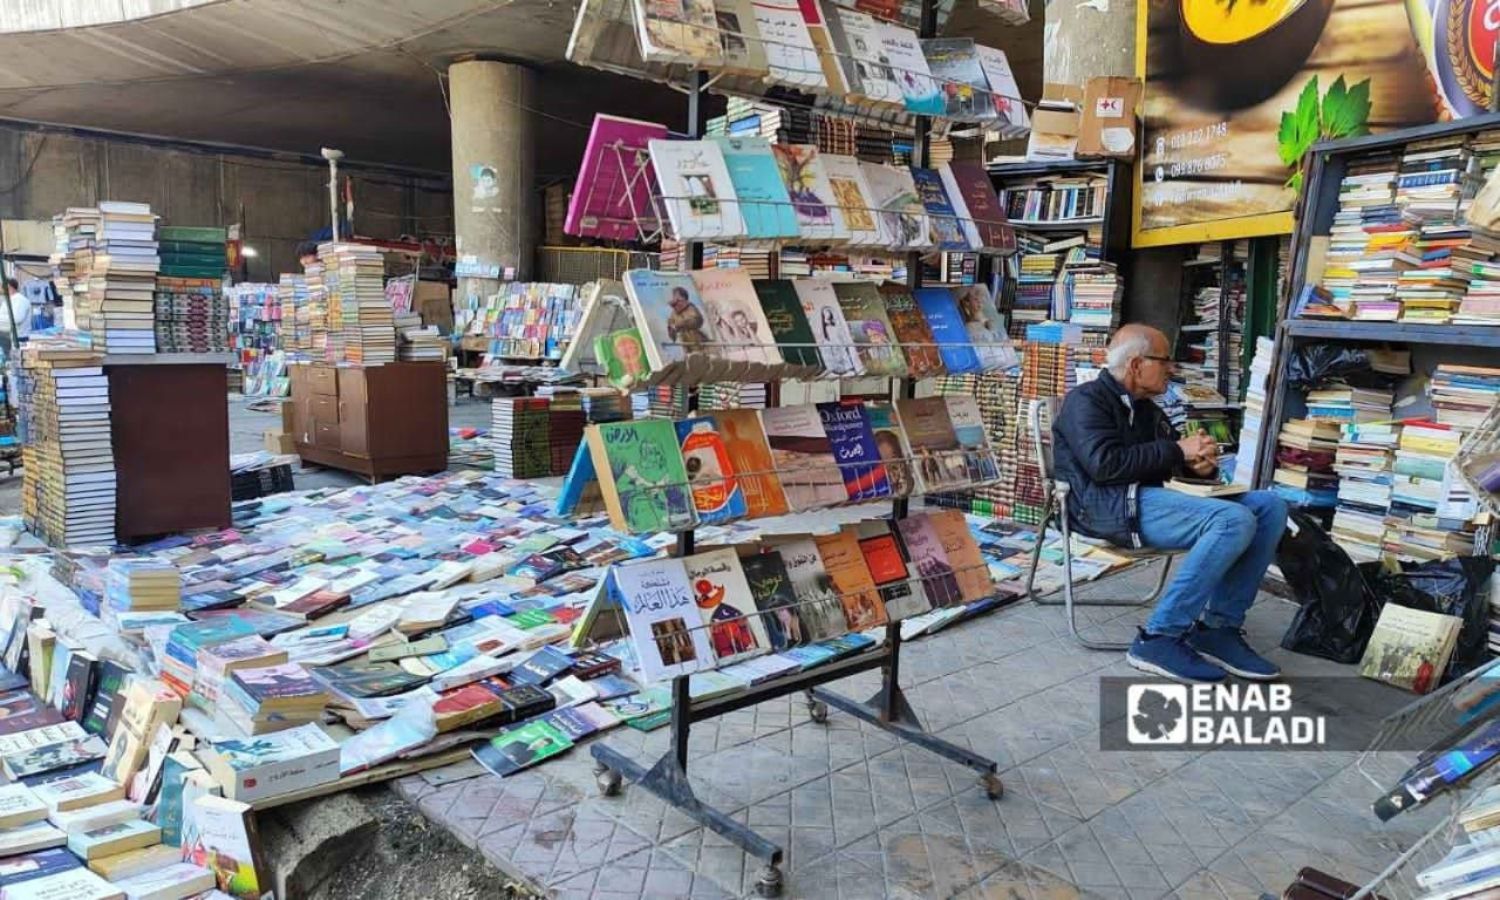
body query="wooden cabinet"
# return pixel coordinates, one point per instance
(169, 427)
(379, 421)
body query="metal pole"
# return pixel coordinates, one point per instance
(333, 157)
(15, 336)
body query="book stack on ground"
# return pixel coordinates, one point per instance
(355, 276)
(272, 698)
(1420, 490)
(142, 585)
(1305, 451)
(119, 307)
(519, 432)
(565, 423)
(179, 661)
(603, 405)
(68, 482)
(1363, 463)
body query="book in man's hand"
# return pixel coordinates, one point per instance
(1205, 487)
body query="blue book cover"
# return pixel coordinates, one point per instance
(947, 233)
(710, 472)
(39, 864)
(941, 312)
(764, 202)
(853, 442)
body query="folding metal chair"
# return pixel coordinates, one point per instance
(1055, 509)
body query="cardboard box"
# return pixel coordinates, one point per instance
(1054, 134)
(279, 442)
(1057, 93)
(1109, 127)
(433, 301)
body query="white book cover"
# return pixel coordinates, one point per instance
(902, 214)
(726, 605)
(873, 78)
(678, 31)
(1004, 90)
(853, 196)
(790, 53)
(31, 837)
(919, 90)
(664, 623)
(830, 329)
(696, 189)
(74, 884)
(19, 805)
(174, 881)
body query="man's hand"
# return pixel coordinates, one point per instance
(1205, 467)
(1198, 447)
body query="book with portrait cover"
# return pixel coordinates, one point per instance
(986, 328)
(869, 75)
(710, 472)
(771, 587)
(803, 456)
(846, 565)
(870, 327)
(727, 605)
(613, 188)
(789, 327)
(854, 449)
(663, 619)
(890, 441)
(641, 473)
(667, 306)
(968, 426)
(622, 356)
(520, 748)
(818, 602)
(820, 304)
(923, 359)
(739, 323)
(751, 460)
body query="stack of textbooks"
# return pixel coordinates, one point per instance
(357, 307)
(291, 290)
(68, 481)
(179, 659)
(422, 344)
(117, 309)
(520, 437)
(1036, 283)
(192, 316)
(1346, 405)
(272, 698)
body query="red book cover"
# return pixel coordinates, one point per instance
(983, 203)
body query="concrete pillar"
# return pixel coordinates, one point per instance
(496, 212)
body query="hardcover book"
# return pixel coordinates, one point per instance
(727, 605)
(818, 215)
(938, 458)
(918, 344)
(953, 342)
(820, 304)
(986, 328)
(967, 181)
(664, 623)
(751, 461)
(710, 472)
(641, 473)
(789, 327)
(941, 217)
(854, 450)
(764, 203)
(774, 597)
(857, 593)
(803, 457)
(819, 608)
(696, 189)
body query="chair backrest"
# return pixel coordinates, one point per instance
(1039, 415)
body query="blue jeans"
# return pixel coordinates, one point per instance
(1230, 543)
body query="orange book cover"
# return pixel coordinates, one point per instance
(963, 552)
(749, 453)
(845, 564)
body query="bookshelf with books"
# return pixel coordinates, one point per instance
(1206, 390)
(1385, 262)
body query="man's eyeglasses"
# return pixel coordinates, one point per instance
(1164, 360)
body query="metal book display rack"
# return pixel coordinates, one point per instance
(602, 38)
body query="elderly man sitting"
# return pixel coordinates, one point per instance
(1115, 448)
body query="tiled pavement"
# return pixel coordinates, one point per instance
(861, 816)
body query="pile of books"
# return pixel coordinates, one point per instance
(357, 308)
(520, 436)
(1363, 463)
(117, 308)
(1094, 296)
(1346, 405)
(192, 316)
(418, 343)
(74, 233)
(1036, 283)
(291, 291)
(271, 698)
(68, 481)
(1428, 188)
(1368, 230)
(1463, 395)
(143, 585)
(1305, 451)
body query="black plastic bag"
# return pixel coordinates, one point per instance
(1453, 587)
(1311, 365)
(1338, 609)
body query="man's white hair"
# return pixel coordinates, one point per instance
(1124, 349)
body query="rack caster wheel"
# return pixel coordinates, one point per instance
(994, 788)
(769, 883)
(608, 780)
(817, 710)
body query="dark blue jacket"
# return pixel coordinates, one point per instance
(1106, 448)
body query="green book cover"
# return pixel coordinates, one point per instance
(789, 326)
(650, 479)
(623, 356)
(511, 751)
